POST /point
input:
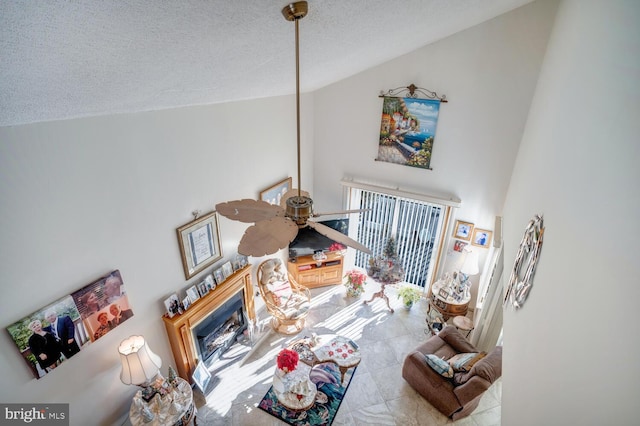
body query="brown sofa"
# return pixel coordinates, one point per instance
(451, 399)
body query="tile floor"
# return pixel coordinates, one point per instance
(377, 395)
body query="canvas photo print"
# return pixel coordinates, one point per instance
(50, 336)
(103, 305)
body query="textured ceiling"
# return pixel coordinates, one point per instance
(79, 58)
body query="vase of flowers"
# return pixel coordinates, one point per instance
(338, 248)
(287, 360)
(354, 282)
(409, 295)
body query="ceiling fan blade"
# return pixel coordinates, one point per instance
(338, 236)
(248, 211)
(291, 193)
(342, 212)
(267, 236)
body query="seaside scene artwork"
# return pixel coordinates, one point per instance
(407, 131)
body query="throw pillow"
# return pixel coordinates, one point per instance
(464, 361)
(281, 291)
(440, 366)
(458, 362)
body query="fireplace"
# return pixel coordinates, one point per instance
(201, 333)
(219, 330)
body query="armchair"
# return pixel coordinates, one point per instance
(286, 301)
(458, 397)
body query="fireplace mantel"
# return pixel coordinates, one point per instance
(179, 328)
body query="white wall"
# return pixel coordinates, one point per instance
(571, 353)
(488, 73)
(80, 198)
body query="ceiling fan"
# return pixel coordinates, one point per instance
(276, 226)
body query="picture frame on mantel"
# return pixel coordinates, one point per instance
(199, 242)
(274, 193)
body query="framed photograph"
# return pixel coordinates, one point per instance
(444, 293)
(227, 269)
(239, 262)
(463, 230)
(274, 193)
(203, 289)
(219, 276)
(209, 282)
(186, 303)
(192, 294)
(459, 245)
(481, 238)
(201, 376)
(172, 303)
(199, 242)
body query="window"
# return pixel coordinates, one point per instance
(417, 225)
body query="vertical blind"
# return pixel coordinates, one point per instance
(416, 225)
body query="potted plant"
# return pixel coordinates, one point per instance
(354, 282)
(409, 295)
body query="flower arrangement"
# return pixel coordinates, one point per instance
(354, 282)
(287, 360)
(409, 295)
(337, 247)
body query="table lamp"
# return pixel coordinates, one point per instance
(139, 365)
(469, 267)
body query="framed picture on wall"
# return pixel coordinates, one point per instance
(199, 242)
(459, 245)
(463, 230)
(274, 193)
(481, 238)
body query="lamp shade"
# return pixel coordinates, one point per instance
(139, 364)
(470, 265)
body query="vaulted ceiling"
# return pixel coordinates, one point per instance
(61, 60)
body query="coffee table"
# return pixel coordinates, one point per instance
(295, 390)
(338, 350)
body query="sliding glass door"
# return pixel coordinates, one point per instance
(416, 225)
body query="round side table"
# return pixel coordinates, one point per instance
(464, 324)
(176, 409)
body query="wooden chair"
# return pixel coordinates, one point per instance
(287, 301)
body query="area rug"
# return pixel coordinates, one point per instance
(330, 394)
